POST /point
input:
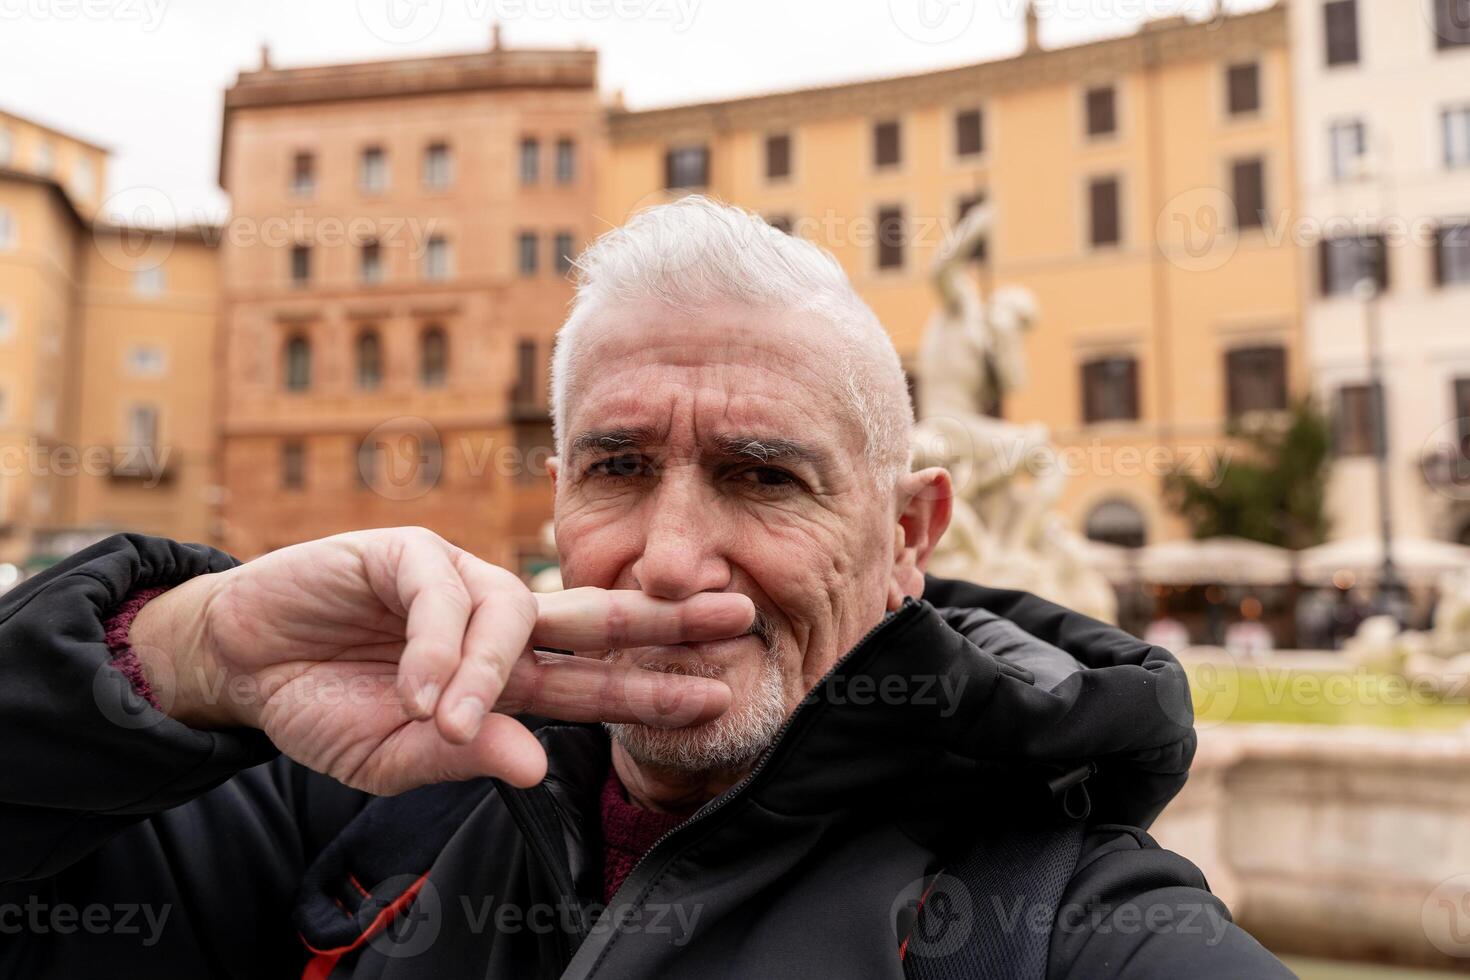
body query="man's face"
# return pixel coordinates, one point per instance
(716, 453)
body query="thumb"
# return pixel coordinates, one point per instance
(503, 748)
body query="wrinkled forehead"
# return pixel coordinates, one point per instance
(712, 374)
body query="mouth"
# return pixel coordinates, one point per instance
(708, 658)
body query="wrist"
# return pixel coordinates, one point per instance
(170, 636)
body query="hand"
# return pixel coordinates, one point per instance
(389, 659)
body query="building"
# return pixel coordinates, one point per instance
(106, 333)
(393, 274)
(1383, 107)
(1136, 183)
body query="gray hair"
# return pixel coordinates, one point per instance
(697, 253)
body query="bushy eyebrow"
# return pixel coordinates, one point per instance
(760, 449)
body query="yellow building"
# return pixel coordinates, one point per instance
(1139, 184)
(106, 351)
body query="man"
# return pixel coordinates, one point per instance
(371, 756)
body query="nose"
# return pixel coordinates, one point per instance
(683, 553)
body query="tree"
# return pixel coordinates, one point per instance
(1276, 495)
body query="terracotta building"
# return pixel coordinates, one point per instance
(106, 337)
(394, 271)
(1136, 183)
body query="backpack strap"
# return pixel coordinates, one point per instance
(991, 913)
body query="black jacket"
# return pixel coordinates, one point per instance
(133, 846)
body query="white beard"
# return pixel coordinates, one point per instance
(730, 741)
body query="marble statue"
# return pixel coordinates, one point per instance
(1008, 479)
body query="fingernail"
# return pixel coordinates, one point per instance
(467, 716)
(424, 699)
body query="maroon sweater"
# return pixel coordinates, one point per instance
(628, 830)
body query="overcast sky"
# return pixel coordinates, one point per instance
(144, 77)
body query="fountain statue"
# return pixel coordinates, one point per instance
(1005, 531)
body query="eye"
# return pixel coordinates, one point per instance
(767, 478)
(622, 466)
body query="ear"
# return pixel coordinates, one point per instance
(924, 502)
(553, 467)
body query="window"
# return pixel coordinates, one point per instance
(1248, 187)
(45, 158)
(1340, 21)
(891, 234)
(8, 234)
(1457, 137)
(1117, 522)
(365, 463)
(1452, 255)
(83, 180)
(529, 245)
(530, 160)
(298, 364)
(438, 167)
(1104, 212)
(966, 205)
(437, 258)
(1102, 111)
(1451, 23)
(300, 265)
(524, 392)
(369, 360)
(1349, 145)
(686, 166)
(1347, 260)
(1110, 390)
(969, 133)
(142, 427)
(778, 156)
(434, 358)
(303, 175)
(145, 361)
(1356, 428)
(149, 282)
(780, 222)
(293, 465)
(370, 263)
(1255, 380)
(562, 247)
(887, 144)
(372, 170)
(566, 161)
(534, 448)
(1243, 89)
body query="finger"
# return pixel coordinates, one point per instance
(438, 607)
(499, 631)
(599, 619)
(581, 689)
(503, 748)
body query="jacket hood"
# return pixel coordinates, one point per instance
(974, 696)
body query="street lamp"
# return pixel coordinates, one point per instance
(1367, 289)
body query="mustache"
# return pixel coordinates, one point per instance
(763, 627)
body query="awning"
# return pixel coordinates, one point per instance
(1417, 560)
(1215, 561)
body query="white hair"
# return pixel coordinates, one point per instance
(695, 254)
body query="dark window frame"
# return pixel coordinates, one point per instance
(1110, 389)
(969, 132)
(892, 231)
(687, 167)
(1341, 36)
(779, 156)
(1250, 202)
(1357, 428)
(1098, 210)
(1243, 89)
(1100, 111)
(887, 136)
(1255, 380)
(433, 356)
(296, 357)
